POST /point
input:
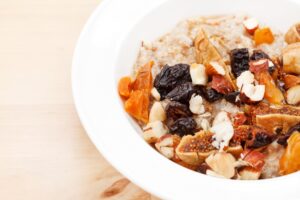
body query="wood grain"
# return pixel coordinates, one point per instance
(44, 151)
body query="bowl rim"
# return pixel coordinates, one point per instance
(148, 186)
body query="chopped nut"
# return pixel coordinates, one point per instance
(196, 104)
(251, 25)
(245, 78)
(155, 94)
(290, 81)
(259, 65)
(291, 58)
(214, 174)
(249, 173)
(221, 117)
(157, 112)
(198, 74)
(223, 133)
(153, 131)
(166, 145)
(222, 163)
(253, 93)
(214, 68)
(293, 95)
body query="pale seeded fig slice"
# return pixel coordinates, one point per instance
(194, 149)
(207, 53)
(293, 34)
(272, 122)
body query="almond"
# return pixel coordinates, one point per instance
(155, 94)
(259, 65)
(157, 112)
(198, 74)
(251, 25)
(291, 81)
(166, 145)
(214, 68)
(153, 131)
(293, 95)
(196, 104)
(223, 133)
(245, 78)
(222, 163)
(249, 173)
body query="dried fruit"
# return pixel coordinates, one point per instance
(259, 54)
(124, 87)
(293, 34)
(272, 92)
(263, 35)
(239, 61)
(209, 94)
(239, 119)
(194, 149)
(283, 138)
(182, 93)
(176, 110)
(293, 95)
(290, 161)
(290, 81)
(143, 79)
(202, 168)
(214, 68)
(251, 25)
(137, 105)
(206, 53)
(157, 112)
(221, 84)
(291, 58)
(198, 74)
(259, 66)
(222, 163)
(183, 126)
(233, 97)
(170, 77)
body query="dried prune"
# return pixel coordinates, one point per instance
(233, 98)
(170, 77)
(183, 126)
(259, 54)
(182, 93)
(176, 110)
(208, 93)
(283, 138)
(239, 61)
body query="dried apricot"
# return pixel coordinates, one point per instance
(272, 93)
(263, 35)
(290, 161)
(137, 105)
(144, 78)
(124, 87)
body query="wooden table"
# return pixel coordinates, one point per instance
(44, 151)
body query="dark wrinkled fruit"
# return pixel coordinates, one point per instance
(208, 94)
(176, 110)
(233, 97)
(170, 77)
(239, 61)
(259, 54)
(183, 126)
(283, 138)
(202, 168)
(260, 138)
(182, 93)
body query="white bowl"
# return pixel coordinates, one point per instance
(107, 49)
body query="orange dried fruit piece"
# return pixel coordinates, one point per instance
(143, 79)
(272, 92)
(137, 105)
(124, 86)
(263, 35)
(290, 161)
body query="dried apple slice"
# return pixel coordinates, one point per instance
(194, 149)
(293, 34)
(207, 53)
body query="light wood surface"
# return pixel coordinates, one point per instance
(44, 151)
